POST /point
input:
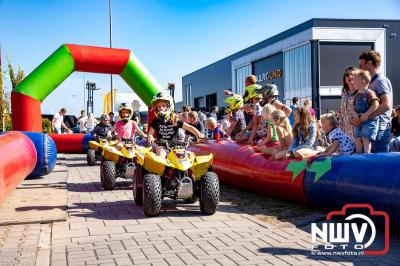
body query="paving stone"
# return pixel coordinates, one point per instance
(107, 228)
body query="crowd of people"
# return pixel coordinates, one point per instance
(364, 122)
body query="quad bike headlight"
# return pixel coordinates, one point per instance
(180, 155)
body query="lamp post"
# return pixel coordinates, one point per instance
(112, 91)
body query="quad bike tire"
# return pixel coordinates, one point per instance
(91, 157)
(151, 194)
(209, 193)
(108, 174)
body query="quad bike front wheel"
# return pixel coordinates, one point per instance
(209, 193)
(91, 157)
(151, 194)
(108, 174)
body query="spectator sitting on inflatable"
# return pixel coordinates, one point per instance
(340, 142)
(226, 121)
(250, 133)
(193, 120)
(166, 124)
(185, 117)
(250, 83)
(126, 127)
(268, 129)
(365, 103)
(102, 128)
(395, 131)
(285, 135)
(305, 135)
(238, 122)
(217, 132)
(270, 95)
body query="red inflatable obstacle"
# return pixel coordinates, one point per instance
(26, 118)
(243, 167)
(71, 143)
(18, 159)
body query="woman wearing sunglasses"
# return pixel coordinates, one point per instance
(346, 110)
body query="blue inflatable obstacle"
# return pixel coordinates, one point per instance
(46, 153)
(373, 179)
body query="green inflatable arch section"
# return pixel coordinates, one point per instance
(69, 58)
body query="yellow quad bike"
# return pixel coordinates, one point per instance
(96, 149)
(119, 163)
(182, 175)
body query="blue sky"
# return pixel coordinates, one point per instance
(172, 38)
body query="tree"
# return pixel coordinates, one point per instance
(46, 126)
(15, 80)
(5, 97)
(5, 122)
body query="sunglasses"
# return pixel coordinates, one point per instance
(348, 74)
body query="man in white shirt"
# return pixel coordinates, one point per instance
(58, 121)
(82, 120)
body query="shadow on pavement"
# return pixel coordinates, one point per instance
(276, 251)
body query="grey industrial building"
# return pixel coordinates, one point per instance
(307, 61)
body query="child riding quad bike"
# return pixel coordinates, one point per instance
(119, 163)
(99, 133)
(120, 160)
(172, 171)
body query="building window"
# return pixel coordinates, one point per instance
(211, 100)
(297, 69)
(198, 102)
(188, 94)
(241, 73)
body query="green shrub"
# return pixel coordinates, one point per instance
(46, 125)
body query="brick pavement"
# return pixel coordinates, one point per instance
(107, 228)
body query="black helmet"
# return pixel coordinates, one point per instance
(269, 90)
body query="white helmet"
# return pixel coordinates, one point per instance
(125, 106)
(162, 96)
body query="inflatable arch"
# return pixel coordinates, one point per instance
(29, 94)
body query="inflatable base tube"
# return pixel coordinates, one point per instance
(46, 153)
(373, 179)
(240, 166)
(71, 143)
(18, 159)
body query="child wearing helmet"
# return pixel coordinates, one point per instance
(101, 129)
(250, 84)
(166, 124)
(126, 127)
(238, 122)
(270, 95)
(251, 132)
